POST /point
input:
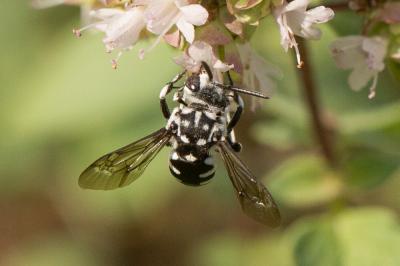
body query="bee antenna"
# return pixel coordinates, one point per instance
(252, 93)
(235, 89)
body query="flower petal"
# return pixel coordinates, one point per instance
(201, 51)
(221, 66)
(300, 5)
(105, 13)
(195, 14)
(187, 62)
(310, 33)
(186, 28)
(376, 49)
(319, 14)
(359, 77)
(347, 53)
(161, 15)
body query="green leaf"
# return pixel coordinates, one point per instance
(371, 119)
(345, 23)
(394, 69)
(319, 246)
(304, 181)
(246, 4)
(233, 249)
(249, 12)
(366, 236)
(288, 126)
(369, 237)
(377, 128)
(49, 250)
(276, 134)
(367, 168)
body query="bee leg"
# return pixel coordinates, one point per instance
(230, 81)
(236, 116)
(236, 146)
(167, 89)
(231, 139)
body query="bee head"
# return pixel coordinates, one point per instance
(205, 72)
(199, 79)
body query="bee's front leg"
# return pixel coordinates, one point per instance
(164, 92)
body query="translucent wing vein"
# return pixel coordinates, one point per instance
(121, 167)
(253, 196)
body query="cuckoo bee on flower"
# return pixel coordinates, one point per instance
(201, 122)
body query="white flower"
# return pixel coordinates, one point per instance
(201, 51)
(294, 19)
(362, 54)
(258, 74)
(162, 15)
(121, 27)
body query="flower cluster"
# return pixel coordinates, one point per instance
(217, 32)
(365, 54)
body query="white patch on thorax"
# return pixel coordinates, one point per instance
(174, 118)
(189, 99)
(206, 127)
(185, 139)
(197, 117)
(204, 80)
(185, 123)
(173, 143)
(186, 110)
(211, 115)
(201, 142)
(213, 129)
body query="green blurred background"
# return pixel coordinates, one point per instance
(62, 106)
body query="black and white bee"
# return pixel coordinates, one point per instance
(203, 120)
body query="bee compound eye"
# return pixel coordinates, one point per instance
(193, 83)
(173, 127)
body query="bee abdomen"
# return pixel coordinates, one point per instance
(192, 169)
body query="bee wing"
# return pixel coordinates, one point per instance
(123, 166)
(253, 196)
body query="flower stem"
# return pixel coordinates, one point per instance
(311, 98)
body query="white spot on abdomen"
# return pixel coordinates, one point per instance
(207, 174)
(190, 158)
(176, 171)
(209, 161)
(174, 156)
